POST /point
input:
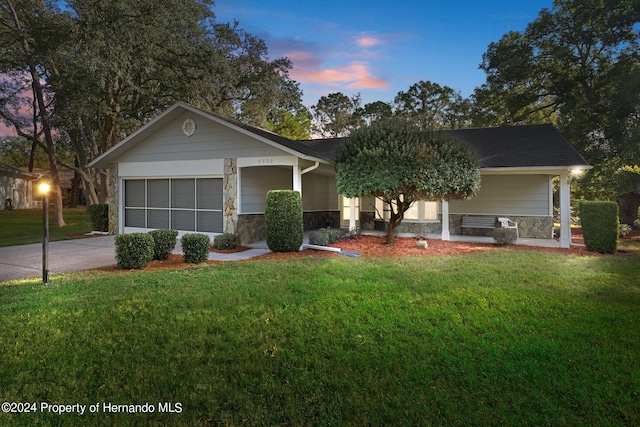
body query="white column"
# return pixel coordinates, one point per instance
(565, 212)
(297, 179)
(445, 220)
(352, 214)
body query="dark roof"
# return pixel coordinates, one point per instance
(8, 170)
(520, 146)
(497, 147)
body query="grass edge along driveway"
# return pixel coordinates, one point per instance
(503, 337)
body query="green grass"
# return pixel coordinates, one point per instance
(497, 338)
(24, 226)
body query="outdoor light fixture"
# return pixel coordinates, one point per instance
(44, 188)
(576, 172)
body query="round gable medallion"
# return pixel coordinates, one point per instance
(189, 127)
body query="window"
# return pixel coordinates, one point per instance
(185, 204)
(419, 211)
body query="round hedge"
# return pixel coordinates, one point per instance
(283, 223)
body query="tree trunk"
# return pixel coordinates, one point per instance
(628, 204)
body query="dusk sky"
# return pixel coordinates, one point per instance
(379, 48)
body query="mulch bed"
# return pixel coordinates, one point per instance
(376, 247)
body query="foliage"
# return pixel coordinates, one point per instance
(99, 216)
(600, 225)
(283, 220)
(133, 250)
(328, 236)
(397, 162)
(432, 106)
(576, 65)
(256, 343)
(195, 247)
(337, 115)
(296, 127)
(164, 242)
(624, 230)
(225, 241)
(504, 236)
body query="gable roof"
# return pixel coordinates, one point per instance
(527, 146)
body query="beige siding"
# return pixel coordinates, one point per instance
(255, 182)
(527, 195)
(210, 141)
(319, 193)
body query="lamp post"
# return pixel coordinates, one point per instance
(44, 188)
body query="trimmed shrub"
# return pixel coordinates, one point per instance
(504, 236)
(134, 250)
(164, 241)
(327, 236)
(624, 230)
(225, 241)
(195, 248)
(99, 217)
(283, 223)
(600, 226)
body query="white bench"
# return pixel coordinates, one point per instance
(478, 222)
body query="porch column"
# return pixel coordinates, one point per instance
(297, 179)
(565, 212)
(445, 220)
(352, 214)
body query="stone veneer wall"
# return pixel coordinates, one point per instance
(230, 196)
(250, 228)
(113, 197)
(536, 227)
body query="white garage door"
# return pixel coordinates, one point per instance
(183, 204)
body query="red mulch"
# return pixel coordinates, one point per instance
(374, 246)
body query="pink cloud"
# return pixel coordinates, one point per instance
(355, 75)
(368, 41)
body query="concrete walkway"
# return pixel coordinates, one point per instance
(25, 261)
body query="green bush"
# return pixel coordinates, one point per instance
(600, 226)
(283, 223)
(164, 241)
(133, 250)
(327, 236)
(624, 230)
(195, 248)
(225, 241)
(504, 236)
(99, 217)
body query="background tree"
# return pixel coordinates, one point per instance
(337, 115)
(296, 127)
(397, 162)
(432, 106)
(30, 34)
(375, 111)
(576, 65)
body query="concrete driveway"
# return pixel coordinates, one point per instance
(19, 262)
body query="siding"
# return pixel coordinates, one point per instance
(526, 195)
(255, 182)
(210, 141)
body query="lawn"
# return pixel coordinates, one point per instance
(24, 226)
(494, 338)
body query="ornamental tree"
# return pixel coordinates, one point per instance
(396, 162)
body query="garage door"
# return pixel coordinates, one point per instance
(184, 204)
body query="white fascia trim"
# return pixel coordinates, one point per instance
(543, 170)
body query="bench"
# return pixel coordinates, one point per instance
(478, 222)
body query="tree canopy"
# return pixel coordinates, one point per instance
(397, 162)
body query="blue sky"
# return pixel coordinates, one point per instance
(378, 48)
